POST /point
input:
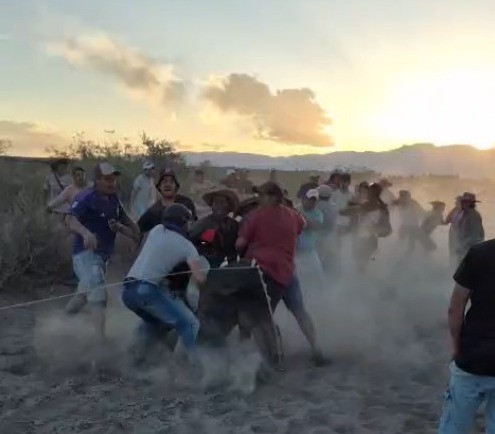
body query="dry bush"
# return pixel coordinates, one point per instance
(33, 243)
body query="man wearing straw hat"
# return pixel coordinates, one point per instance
(215, 235)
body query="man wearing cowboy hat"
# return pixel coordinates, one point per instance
(470, 231)
(215, 235)
(453, 219)
(168, 186)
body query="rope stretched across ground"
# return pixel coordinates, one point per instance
(107, 286)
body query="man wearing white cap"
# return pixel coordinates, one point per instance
(308, 263)
(143, 193)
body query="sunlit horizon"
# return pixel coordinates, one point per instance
(379, 77)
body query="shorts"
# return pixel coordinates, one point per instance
(90, 269)
(462, 400)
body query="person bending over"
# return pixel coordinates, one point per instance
(147, 289)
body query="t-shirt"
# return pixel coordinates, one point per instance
(329, 212)
(163, 251)
(306, 241)
(94, 211)
(153, 216)
(271, 234)
(477, 273)
(340, 199)
(145, 194)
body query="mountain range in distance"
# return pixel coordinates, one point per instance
(417, 159)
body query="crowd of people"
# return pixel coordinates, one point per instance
(250, 247)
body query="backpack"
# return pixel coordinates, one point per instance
(383, 227)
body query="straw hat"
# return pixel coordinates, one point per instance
(230, 195)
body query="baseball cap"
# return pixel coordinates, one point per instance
(105, 169)
(325, 191)
(147, 165)
(313, 194)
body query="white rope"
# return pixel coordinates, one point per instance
(110, 285)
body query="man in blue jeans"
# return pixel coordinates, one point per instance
(472, 372)
(96, 215)
(147, 290)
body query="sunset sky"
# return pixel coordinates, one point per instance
(253, 76)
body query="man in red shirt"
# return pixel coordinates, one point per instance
(269, 236)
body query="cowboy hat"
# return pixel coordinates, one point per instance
(248, 205)
(469, 197)
(230, 195)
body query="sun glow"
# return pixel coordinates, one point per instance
(444, 108)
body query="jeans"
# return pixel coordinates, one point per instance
(90, 270)
(465, 394)
(293, 298)
(309, 270)
(160, 310)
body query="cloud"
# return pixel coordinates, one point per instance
(291, 116)
(28, 138)
(141, 75)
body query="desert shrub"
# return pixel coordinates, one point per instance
(33, 243)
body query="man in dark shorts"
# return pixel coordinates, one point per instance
(472, 371)
(168, 186)
(269, 235)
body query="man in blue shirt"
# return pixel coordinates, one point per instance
(96, 215)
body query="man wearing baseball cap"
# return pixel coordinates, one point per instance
(143, 193)
(96, 215)
(308, 262)
(168, 186)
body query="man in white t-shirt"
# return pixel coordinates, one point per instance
(143, 193)
(147, 287)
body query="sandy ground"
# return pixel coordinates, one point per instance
(386, 333)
